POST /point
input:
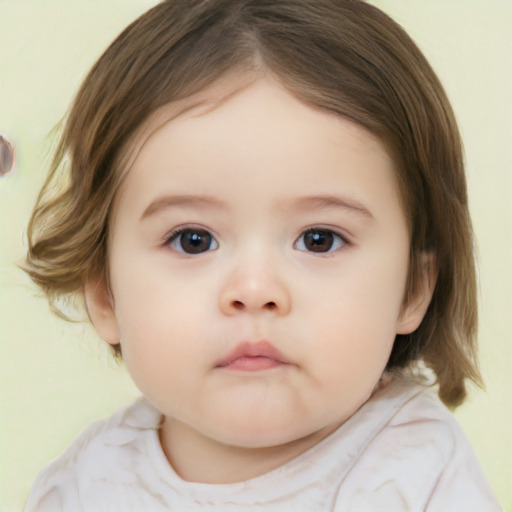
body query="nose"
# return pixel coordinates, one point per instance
(255, 289)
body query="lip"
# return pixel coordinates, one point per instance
(253, 356)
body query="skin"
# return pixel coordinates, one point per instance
(255, 171)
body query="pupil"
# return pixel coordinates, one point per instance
(318, 241)
(195, 242)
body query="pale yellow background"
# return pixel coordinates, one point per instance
(56, 378)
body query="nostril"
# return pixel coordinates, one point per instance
(238, 305)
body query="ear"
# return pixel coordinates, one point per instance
(100, 307)
(416, 306)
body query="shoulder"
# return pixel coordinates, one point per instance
(457, 479)
(419, 458)
(99, 454)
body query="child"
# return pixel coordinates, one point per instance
(263, 207)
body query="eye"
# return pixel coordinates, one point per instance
(319, 240)
(192, 241)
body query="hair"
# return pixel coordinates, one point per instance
(340, 56)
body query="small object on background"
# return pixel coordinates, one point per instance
(7, 157)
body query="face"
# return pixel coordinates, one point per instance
(258, 261)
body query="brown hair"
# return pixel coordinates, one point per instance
(341, 56)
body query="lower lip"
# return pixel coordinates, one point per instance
(253, 364)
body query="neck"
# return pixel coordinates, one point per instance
(200, 459)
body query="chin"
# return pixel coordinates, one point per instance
(263, 435)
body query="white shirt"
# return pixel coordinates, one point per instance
(401, 451)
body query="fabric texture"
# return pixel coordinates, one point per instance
(401, 451)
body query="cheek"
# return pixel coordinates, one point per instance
(161, 349)
(356, 315)
(147, 311)
(369, 291)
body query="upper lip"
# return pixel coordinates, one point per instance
(253, 349)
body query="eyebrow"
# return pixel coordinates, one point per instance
(180, 201)
(351, 205)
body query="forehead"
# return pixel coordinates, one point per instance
(202, 102)
(257, 142)
(218, 94)
(255, 115)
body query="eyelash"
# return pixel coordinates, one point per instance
(338, 240)
(175, 236)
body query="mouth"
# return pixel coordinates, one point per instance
(253, 357)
